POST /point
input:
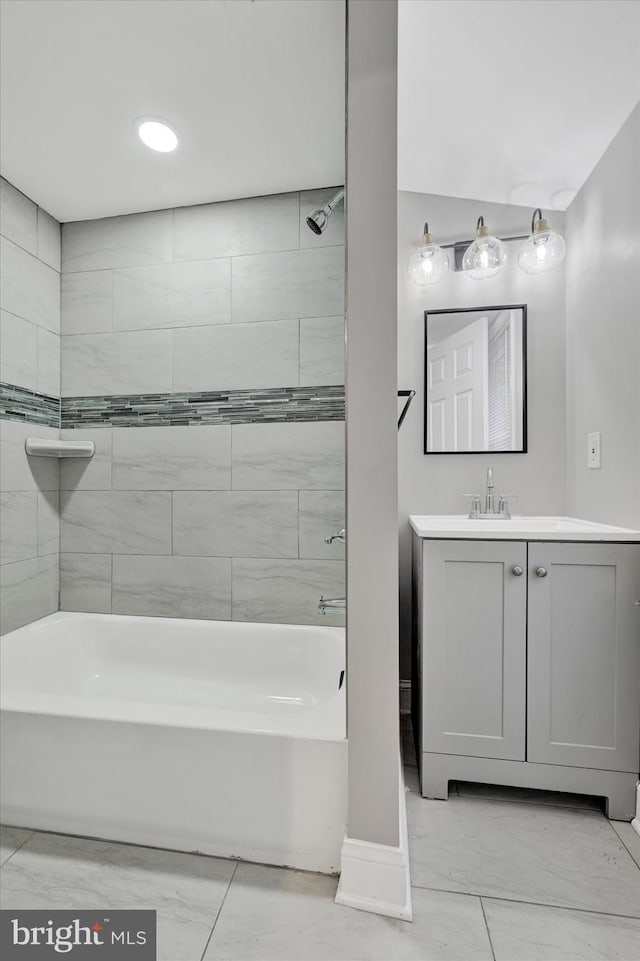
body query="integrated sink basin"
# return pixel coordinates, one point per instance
(518, 528)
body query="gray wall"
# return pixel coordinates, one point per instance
(29, 359)
(372, 556)
(603, 334)
(216, 521)
(434, 484)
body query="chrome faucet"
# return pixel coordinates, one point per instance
(490, 510)
(489, 503)
(340, 536)
(331, 604)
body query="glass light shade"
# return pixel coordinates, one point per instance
(485, 257)
(428, 264)
(542, 251)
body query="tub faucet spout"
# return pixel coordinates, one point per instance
(331, 604)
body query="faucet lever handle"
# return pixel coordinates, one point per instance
(475, 504)
(503, 503)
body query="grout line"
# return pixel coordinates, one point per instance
(32, 834)
(219, 912)
(164, 263)
(486, 924)
(623, 842)
(207, 326)
(30, 254)
(539, 904)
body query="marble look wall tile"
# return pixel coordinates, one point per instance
(18, 351)
(334, 231)
(129, 241)
(28, 591)
(255, 225)
(18, 217)
(48, 522)
(322, 513)
(29, 288)
(533, 932)
(172, 458)
(304, 456)
(48, 239)
(137, 361)
(172, 295)
(48, 362)
(236, 356)
(85, 302)
(115, 522)
(285, 592)
(172, 586)
(92, 473)
(85, 583)
(18, 526)
(300, 283)
(321, 351)
(236, 523)
(18, 472)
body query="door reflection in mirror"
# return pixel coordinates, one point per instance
(475, 380)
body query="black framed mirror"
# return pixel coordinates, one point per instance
(475, 396)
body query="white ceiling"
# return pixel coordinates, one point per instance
(254, 89)
(512, 102)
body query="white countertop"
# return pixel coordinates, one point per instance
(518, 528)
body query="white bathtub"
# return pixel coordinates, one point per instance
(211, 736)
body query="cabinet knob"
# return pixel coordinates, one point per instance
(541, 572)
(517, 571)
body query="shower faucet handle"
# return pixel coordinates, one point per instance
(340, 536)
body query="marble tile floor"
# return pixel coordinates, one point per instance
(495, 876)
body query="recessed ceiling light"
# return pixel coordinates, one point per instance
(157, 135)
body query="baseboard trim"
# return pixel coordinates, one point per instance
(375, 877)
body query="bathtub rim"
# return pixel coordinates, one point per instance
(329, 716)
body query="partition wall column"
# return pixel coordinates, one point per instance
(371, 403)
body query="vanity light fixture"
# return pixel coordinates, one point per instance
(486, 256)
(543, 250)
(156, 135)
(429, 263)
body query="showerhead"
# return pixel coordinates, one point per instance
(319, 218)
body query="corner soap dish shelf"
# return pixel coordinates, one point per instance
(36, 447)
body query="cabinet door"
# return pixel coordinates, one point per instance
(474, 648)
(584, 655)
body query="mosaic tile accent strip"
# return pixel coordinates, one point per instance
(269, 406)
(17, 403)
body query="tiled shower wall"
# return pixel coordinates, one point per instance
(228, 319)
(30, 376)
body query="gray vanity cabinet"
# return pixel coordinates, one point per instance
(528, 666)
(474, 653)
(584, 655)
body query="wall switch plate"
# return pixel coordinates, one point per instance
(593, 450)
